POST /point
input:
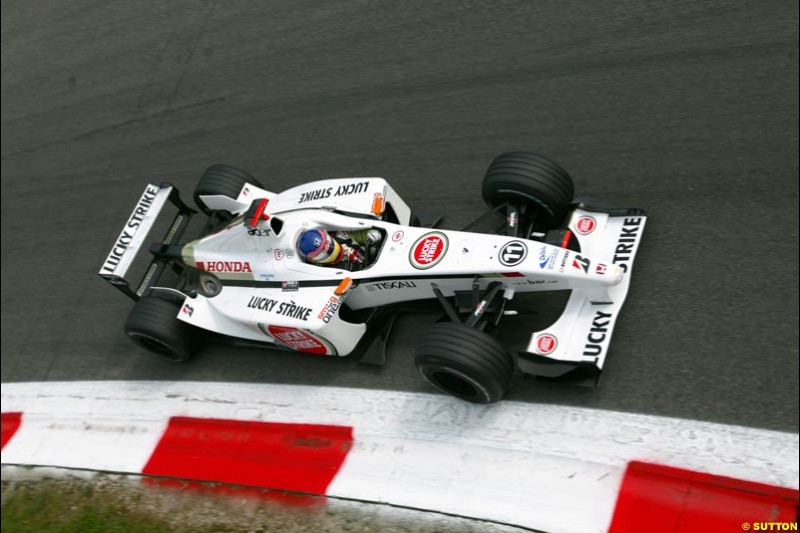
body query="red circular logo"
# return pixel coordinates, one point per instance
(397, 235)
(546, 344)
(297, 339)
(428, 250)
(585, 225)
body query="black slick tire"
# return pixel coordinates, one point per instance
(222, 180)
(154, 326)
(464, 362)
(524, 178)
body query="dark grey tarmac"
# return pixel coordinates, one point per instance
(687, 108)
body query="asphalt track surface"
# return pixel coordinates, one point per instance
(687, 108)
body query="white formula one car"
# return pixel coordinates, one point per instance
(244, 278)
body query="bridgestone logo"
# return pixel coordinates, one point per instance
(428, 250)
(224, 266)
(513, 253)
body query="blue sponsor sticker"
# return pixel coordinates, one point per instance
(547, 257)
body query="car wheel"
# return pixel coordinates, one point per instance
(464, 362)
(153, 325)
(222, 180)
(523, 178)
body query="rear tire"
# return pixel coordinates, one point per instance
(524, 178)
(464, 362)
(154, 326)
(222, 180)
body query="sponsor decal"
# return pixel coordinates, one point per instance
(287, 309)
(130, 229)
(290, 286)
(585, 225)
(187, 310)
(581, 263)
(428, 250)
(278, 254)
(246, 191)
(224, 266)
(330, 308)
(390, 285)
(526, 281)
(335, 302)
(257, 232)
(264, 304)
(342, 190)
(292, 310)
(600, 268)
(563, 264)
(512, 253)
(397, 235)
(597, 334)
(289, 253)
(547, 257)
(626, 242)
(318, 194)
(546, 344)
(299, 340)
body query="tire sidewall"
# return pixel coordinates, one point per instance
(177, 352)
(469, 356)
(505, 192)
(153, 325)
(222, 180)
(428, 366)
(532, 180)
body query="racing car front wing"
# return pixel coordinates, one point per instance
(579, 338)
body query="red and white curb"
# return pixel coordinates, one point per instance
(545, 467)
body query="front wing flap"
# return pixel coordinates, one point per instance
(580, 337)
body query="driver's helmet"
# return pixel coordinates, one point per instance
(318, 246)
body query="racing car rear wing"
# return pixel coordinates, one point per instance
(136, 229)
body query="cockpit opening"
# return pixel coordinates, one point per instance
(351, 250)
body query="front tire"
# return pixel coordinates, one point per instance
(154, 326)
(465, 362)
(532, 180)
(222, 180)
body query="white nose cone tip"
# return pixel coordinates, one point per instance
(618, 274)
